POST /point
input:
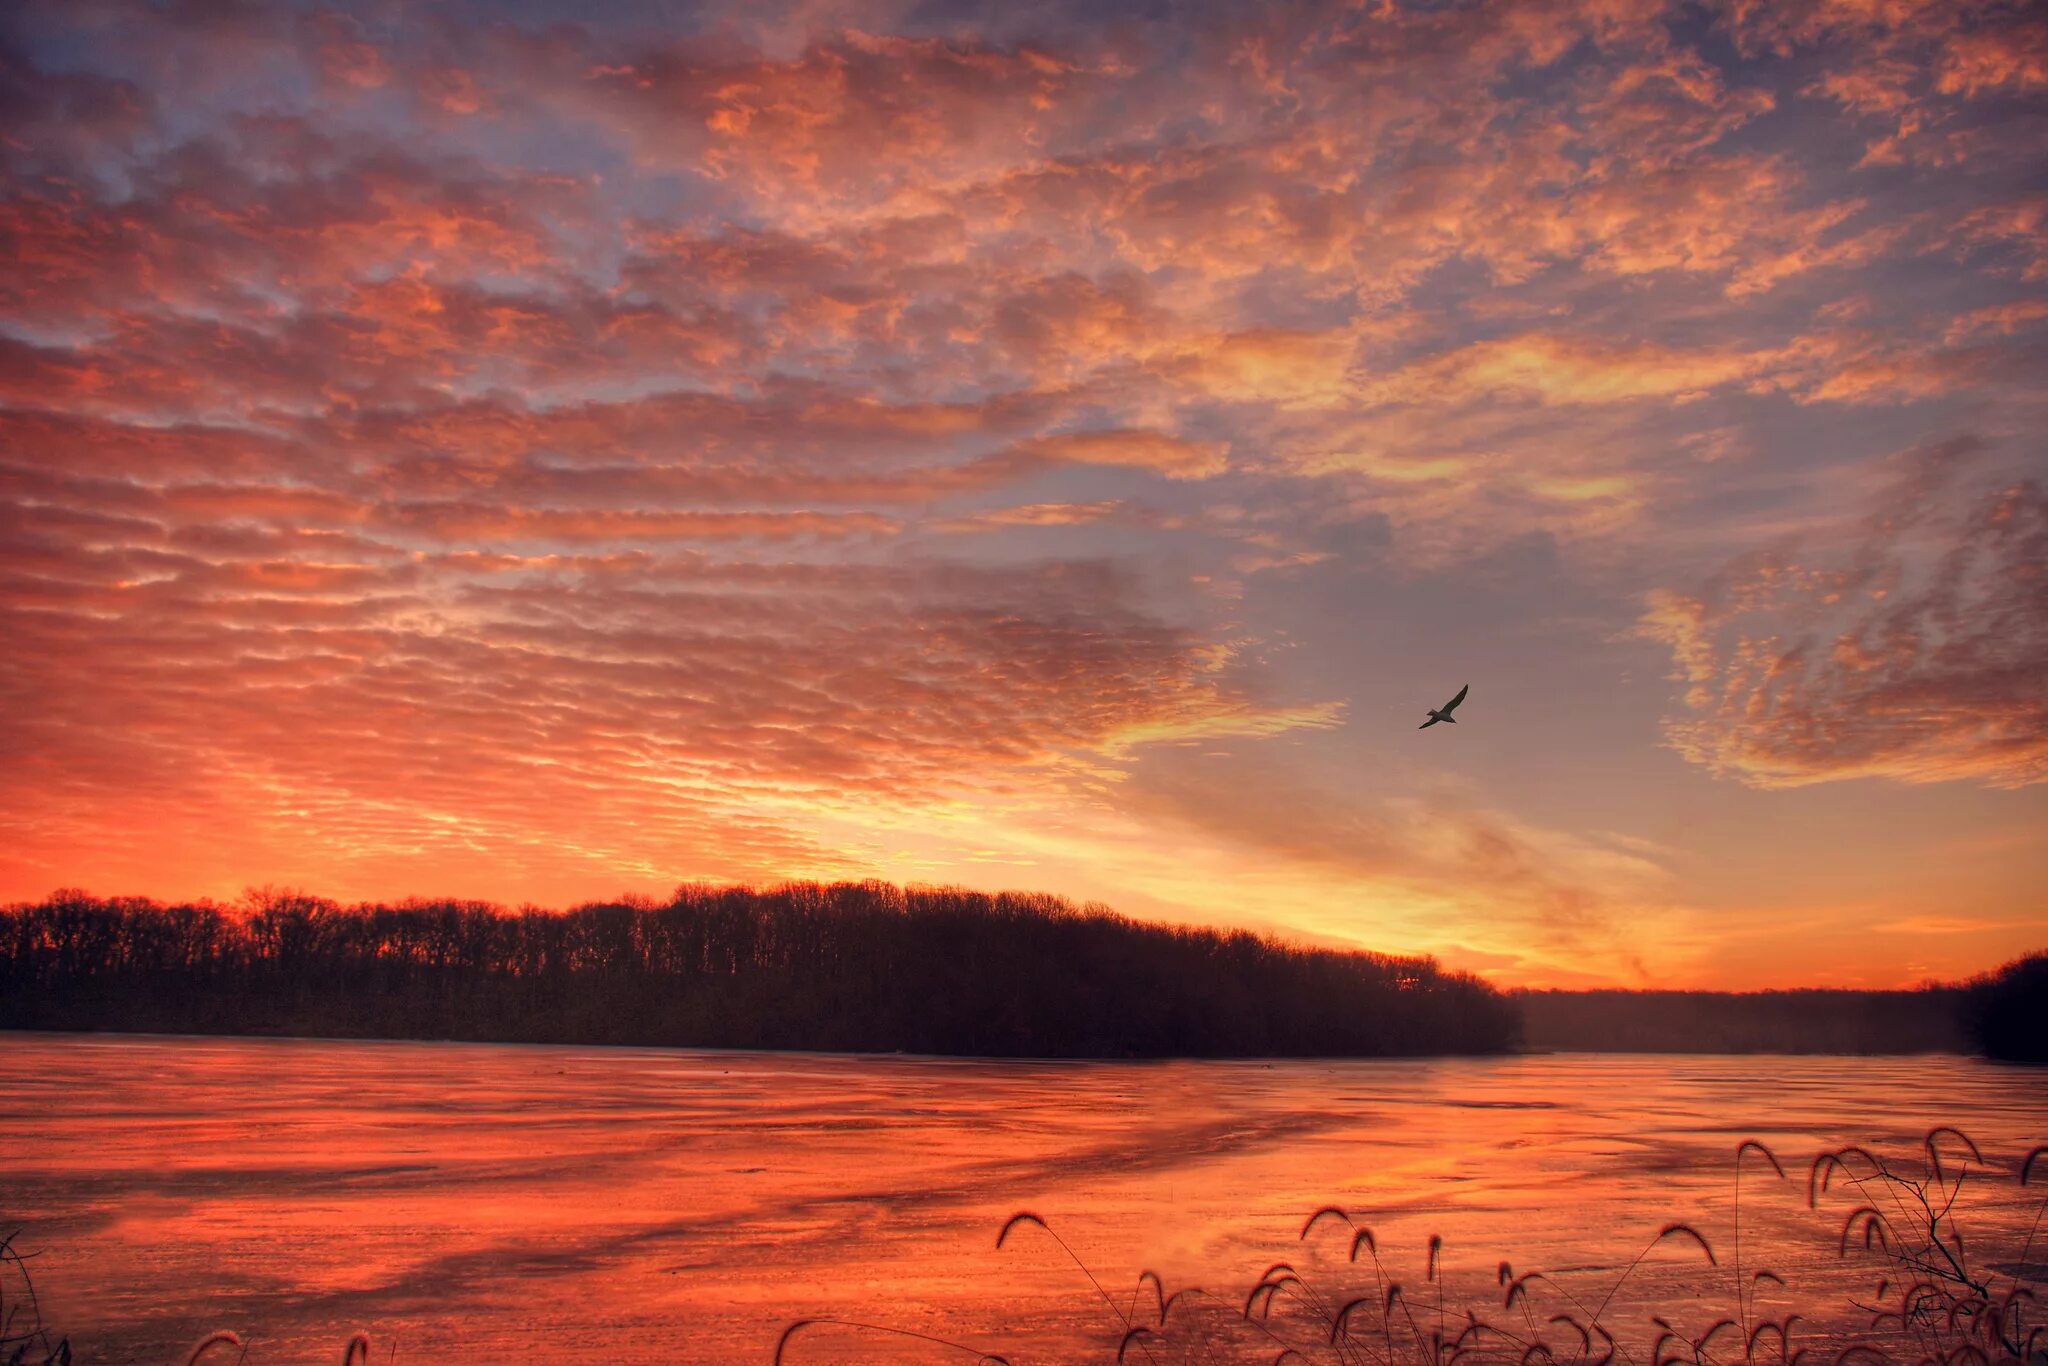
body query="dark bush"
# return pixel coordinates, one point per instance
(2006, 1011)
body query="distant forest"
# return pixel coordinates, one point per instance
(1925, 1020)
(1999, 1014)
(863, 967)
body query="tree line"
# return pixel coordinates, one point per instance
(852, 966)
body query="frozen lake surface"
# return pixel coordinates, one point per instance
(469, 1202)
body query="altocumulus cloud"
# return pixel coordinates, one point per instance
(1915, 651)
(435, 441)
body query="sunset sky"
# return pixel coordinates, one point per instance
(1056, 446)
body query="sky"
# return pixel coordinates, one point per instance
(501, 453)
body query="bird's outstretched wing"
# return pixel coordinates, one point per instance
(1430, 722)
(1452, 705)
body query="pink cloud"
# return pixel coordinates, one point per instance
(1913, 652)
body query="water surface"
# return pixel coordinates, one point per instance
(467, 1201)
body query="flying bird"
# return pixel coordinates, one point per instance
(1443, 713)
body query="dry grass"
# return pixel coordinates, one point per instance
(1936, 1301)
(1933, 1293)
(357, 1349)
(24, 1340)
(219, 1338)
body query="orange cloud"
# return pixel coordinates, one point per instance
(1980, 61)
(1910, 655)
(1553, 369)
(1174, 457)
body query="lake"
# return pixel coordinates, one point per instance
(474, 1201)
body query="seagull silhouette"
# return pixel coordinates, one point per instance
(1443, 713)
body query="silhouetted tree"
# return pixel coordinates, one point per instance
(2006, 1011)
(850, 966)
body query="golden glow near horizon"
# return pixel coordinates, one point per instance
(537, 458)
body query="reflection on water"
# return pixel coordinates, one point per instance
(635, 1205)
